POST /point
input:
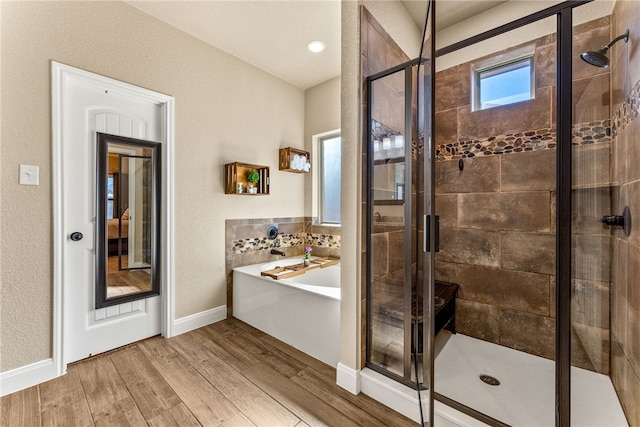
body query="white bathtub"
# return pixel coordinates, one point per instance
(303, 311)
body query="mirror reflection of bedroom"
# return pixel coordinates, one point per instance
(128, 271)
(127, 185)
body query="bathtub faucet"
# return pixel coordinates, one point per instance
(277, 252)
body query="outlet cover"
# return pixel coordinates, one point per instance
(29, 175)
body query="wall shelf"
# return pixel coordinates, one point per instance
(287, 156)
(236, 173)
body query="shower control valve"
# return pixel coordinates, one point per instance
(613, 220)
(623, 220)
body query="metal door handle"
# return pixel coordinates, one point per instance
(427, 233)
(76, 236)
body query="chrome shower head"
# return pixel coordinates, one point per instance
(599, 58)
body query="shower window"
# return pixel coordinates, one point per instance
(506, 83)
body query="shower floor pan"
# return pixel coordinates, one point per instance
(526, 394)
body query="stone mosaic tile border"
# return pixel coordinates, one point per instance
(241, 246)
(627, 112)
(594, 132)
(323, 240)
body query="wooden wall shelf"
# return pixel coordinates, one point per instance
(236, 173)
(286, 159)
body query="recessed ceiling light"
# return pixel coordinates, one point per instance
(315, 46)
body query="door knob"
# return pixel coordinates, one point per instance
(76, 236)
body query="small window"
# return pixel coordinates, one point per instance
(330, 178)
(503, 84)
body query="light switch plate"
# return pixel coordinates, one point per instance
(29, 175)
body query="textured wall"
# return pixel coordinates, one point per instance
(321, 114)
(498, 214)
(625, 313)
(226, 110)
(350, 209)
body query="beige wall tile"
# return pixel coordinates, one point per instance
(519, 117)
(447, 209)
(379, 257)
(530, 252)
(523, 292)
(545, 65)
(446, 128)
(591, 98)
(526, 211)
(453, 87)
(633, 284)
(591, 257)
(590, 303)
(446, 271)
(476, 247)
(590, 348)
(528, 171)
(632, 141)
(478, 320)
(479, 175)
(589, 205)
(528, 332)
(633, 336)
(591, 165)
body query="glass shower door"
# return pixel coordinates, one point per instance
(399, 206)
(602, 243)
(390, 218)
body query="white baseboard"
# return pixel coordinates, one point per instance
(404, 399)
(198, 320)
(26, 376)
(348, 379)
(39, 372)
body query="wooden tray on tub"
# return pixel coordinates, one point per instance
(297, 269)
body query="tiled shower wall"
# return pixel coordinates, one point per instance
(625, 313)
(246, 242)
(498, 214)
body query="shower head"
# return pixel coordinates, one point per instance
(599, 58)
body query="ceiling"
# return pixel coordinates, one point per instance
(273, 34)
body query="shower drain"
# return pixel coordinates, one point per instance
(488, 379)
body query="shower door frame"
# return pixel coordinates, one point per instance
(407, 68)
(564, 118)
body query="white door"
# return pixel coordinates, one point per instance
(90, 105)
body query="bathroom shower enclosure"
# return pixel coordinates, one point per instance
(484, 233)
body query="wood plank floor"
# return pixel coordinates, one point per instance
(225, 374)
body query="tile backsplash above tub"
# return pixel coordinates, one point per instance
(246, 242)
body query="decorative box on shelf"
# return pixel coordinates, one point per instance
(294, 160)
(238, 177)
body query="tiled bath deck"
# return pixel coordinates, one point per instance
(525, 396)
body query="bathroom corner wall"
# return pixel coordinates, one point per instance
(625, 298)
(497, 215)
(246, 243)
